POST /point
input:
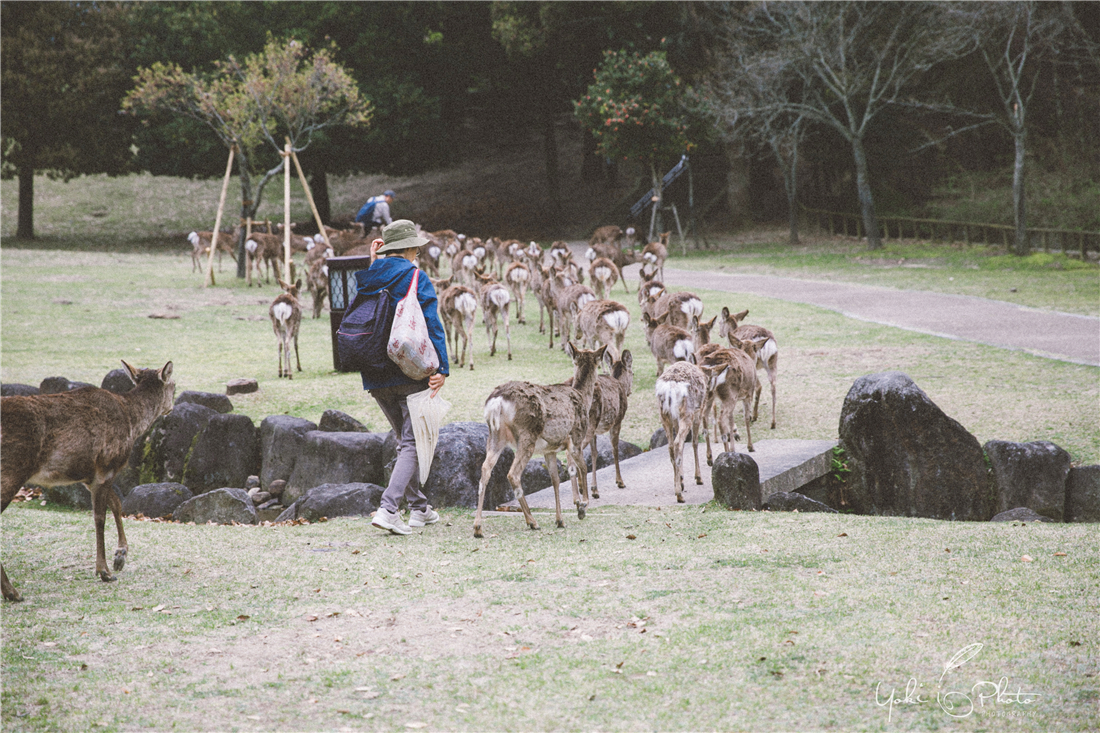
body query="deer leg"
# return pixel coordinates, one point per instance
(756, 405)
(297, 359)
(748, 430)
(550, 317)
(578, 475)
(99, 515)
(592, 450)
(508, 334)
(771, 378)
(116, 509)
(706, 429)
(467, 336)
(695, 450)
(615, 451)
(554, 468)
(492, 453)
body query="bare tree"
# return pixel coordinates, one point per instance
(1018, 41)
(848, 61)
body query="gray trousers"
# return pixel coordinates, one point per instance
(405, 479)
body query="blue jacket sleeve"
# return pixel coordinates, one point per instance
(429, 303)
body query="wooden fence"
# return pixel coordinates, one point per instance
(1067, 241)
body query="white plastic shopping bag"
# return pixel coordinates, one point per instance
(427, 414)
(409, 346)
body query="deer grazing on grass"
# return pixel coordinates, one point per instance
(286, 316)
(682, 400)
(767, 350)
(457, 306)
(85, 436)
(546, 418)
(669, 344)
(494, 299)
(604, 322)
(608, 410)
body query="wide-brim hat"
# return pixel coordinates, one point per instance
(401, 234)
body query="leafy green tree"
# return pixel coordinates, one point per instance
(62, 79)
(635, 108)
(284, 91)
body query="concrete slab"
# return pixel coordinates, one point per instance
(784, 465)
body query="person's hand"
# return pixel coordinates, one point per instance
(435, 383)
(374, 249)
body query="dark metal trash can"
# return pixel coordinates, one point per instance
(341, 291)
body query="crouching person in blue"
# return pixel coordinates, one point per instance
(389, 386)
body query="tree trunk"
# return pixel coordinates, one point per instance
(25, 227)
(866, 203)
(318, 184)
(248, 208)
(655, 223)
(1019, 195)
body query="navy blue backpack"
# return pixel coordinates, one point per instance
(366, 214)
(363, 332)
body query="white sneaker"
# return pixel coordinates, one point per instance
(419, 518)
(392, 522)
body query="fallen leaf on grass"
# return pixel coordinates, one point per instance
(243, 617)
(631, 537)
(842, 534)
(416, 724)
(1026, 558)
(1059, 554)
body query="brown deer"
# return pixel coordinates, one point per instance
(264, 250)
(767, 351)
(604, 274)
(669, 344)
(654, 256)
(682, 400)
(733, 380)
(81, 436)
(457, 306)
(200, 247)
(567, 301)
(548, 418)
(463, 264)
(604, 322)
(317, 284)
(494, 299)
(608, 410)
(286, 316)
(518, 277)
(684, 309)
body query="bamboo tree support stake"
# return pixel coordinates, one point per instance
(218, 219)
(286, 213)
(309, 198)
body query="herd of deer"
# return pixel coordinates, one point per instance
(87, 435)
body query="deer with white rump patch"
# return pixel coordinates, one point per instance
(457, 306)
(654, 256)
(767, 350)
(494, 306)
(518, 277)
(608, 410)
(286, 316)
(85, 436)
(733, 380)
(532, 418)
(682, 400)
(669, 344)
(604, 322)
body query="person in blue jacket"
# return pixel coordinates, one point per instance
(390, 387)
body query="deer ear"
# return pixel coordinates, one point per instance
(626, 359)
(725, 313)
(133, 371)
(165, 372)
(741, 316)
(601, 351)
(571, 350)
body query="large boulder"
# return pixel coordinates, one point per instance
(281, 440)
(1020, 514)
(335, 500)
(73, 496)
(736, 481)
(220, 506)
(456, 468)
(55, 385)
(213, 400)
(1083, 494)
(605, 456)
(1030, 475)
(162, 453)
(156, 500)
(908, 458)
(335, 458)
(226, 453)
(117, 381)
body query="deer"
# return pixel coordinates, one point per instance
(567, 301)
(767, 351)
(463, 264)
(554, 283)
(298, 243)
(604, 322)
(286, 316)
(609, 402)
(265, 249)
(317, 283)
(604, 274)
(200, 246)
(84, 436)
(518, 277)
(494, 299)
(684, 309)
(531, 417)
(682, 400)
(654, 256)
(457, 306)
(612, 250)
(669, 344)
(733, 380)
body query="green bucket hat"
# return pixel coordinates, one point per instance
(401, 234)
